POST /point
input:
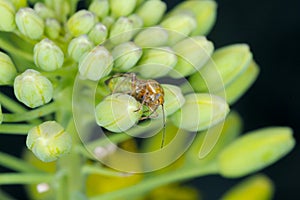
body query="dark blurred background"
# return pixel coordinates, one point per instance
(272, 29)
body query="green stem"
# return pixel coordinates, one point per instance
(158, 180)
(39, 112)
(24, 178)
(5, 196)
(90, 169)
(18, 129)
(15, 163)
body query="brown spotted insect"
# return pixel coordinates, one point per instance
(148, 92)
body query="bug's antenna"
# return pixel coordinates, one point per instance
(164, 127)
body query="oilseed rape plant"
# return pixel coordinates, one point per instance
(120, 99)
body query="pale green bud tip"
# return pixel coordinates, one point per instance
(193, 53)
(79, 46)
(200, 112)
(1, 115)
(96, 64)
(30, 23)
(49, 141)
(151, 12)
(255, 150)
(256, 187)
(152, 37)
(7, 16)
(98, 34)
(227, 63)
(33, 89)
(81, 22)
(100, 8)
(122, 7)
(52, 28)
(43, 11)
(118, 112)
(156, 63)
(126, 55)
(7, 70)
(47, 55)
(121, 31)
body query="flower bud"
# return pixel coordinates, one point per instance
(98, 34)
(81, 22)
(178, 26)
(49, 141)
(120, 8)
(1, 115)
(156, 62)
(173, 99)
(151, 12)
(19, 3)
(200, 112)
(96, 64)
(255, 187)
(121, 31)
(30, 23)
(33, 89)
(52, 28)
(126, 55)
(254, 151)
(228, 63)
(100, 8)
(118, 112)
(43, 11)
(79, 46)
(137, 23)
(108, 22)
(7, 70)
(47, 55)
(193, 53)
(204, 11)
(7, 16)
(152, 37)
(239, 86)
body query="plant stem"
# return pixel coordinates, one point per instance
(24, 178)
(159, 180)
(15, 163)
(42, 111)
(18, 129)
(5, 196)
(90, 169)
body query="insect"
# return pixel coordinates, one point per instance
(148, 92)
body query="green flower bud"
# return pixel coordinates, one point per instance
(173, 98)
(193, 53)
(19, 3)
(79, 46)
(7, 16)
(49, 141)
(81, 22)
(152, 37)
(96, 64)
(52, 28)
(1, 115)
(33, 89)
(108, 22)
(30, 23)
(178, 26)
(7, 70)
(137, 23)
(120, 8)
(98, 34)
(47, 55)
(151, 12)
(126, 55)
(239, 86)
(100, 8)
(118, 112)
(255, 150)
(200, 112)
(204, 11)
(121, 31)
(255, 187)
(228, 62)
(156, 63)
(43, 11)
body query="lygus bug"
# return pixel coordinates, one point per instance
(148, 92)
